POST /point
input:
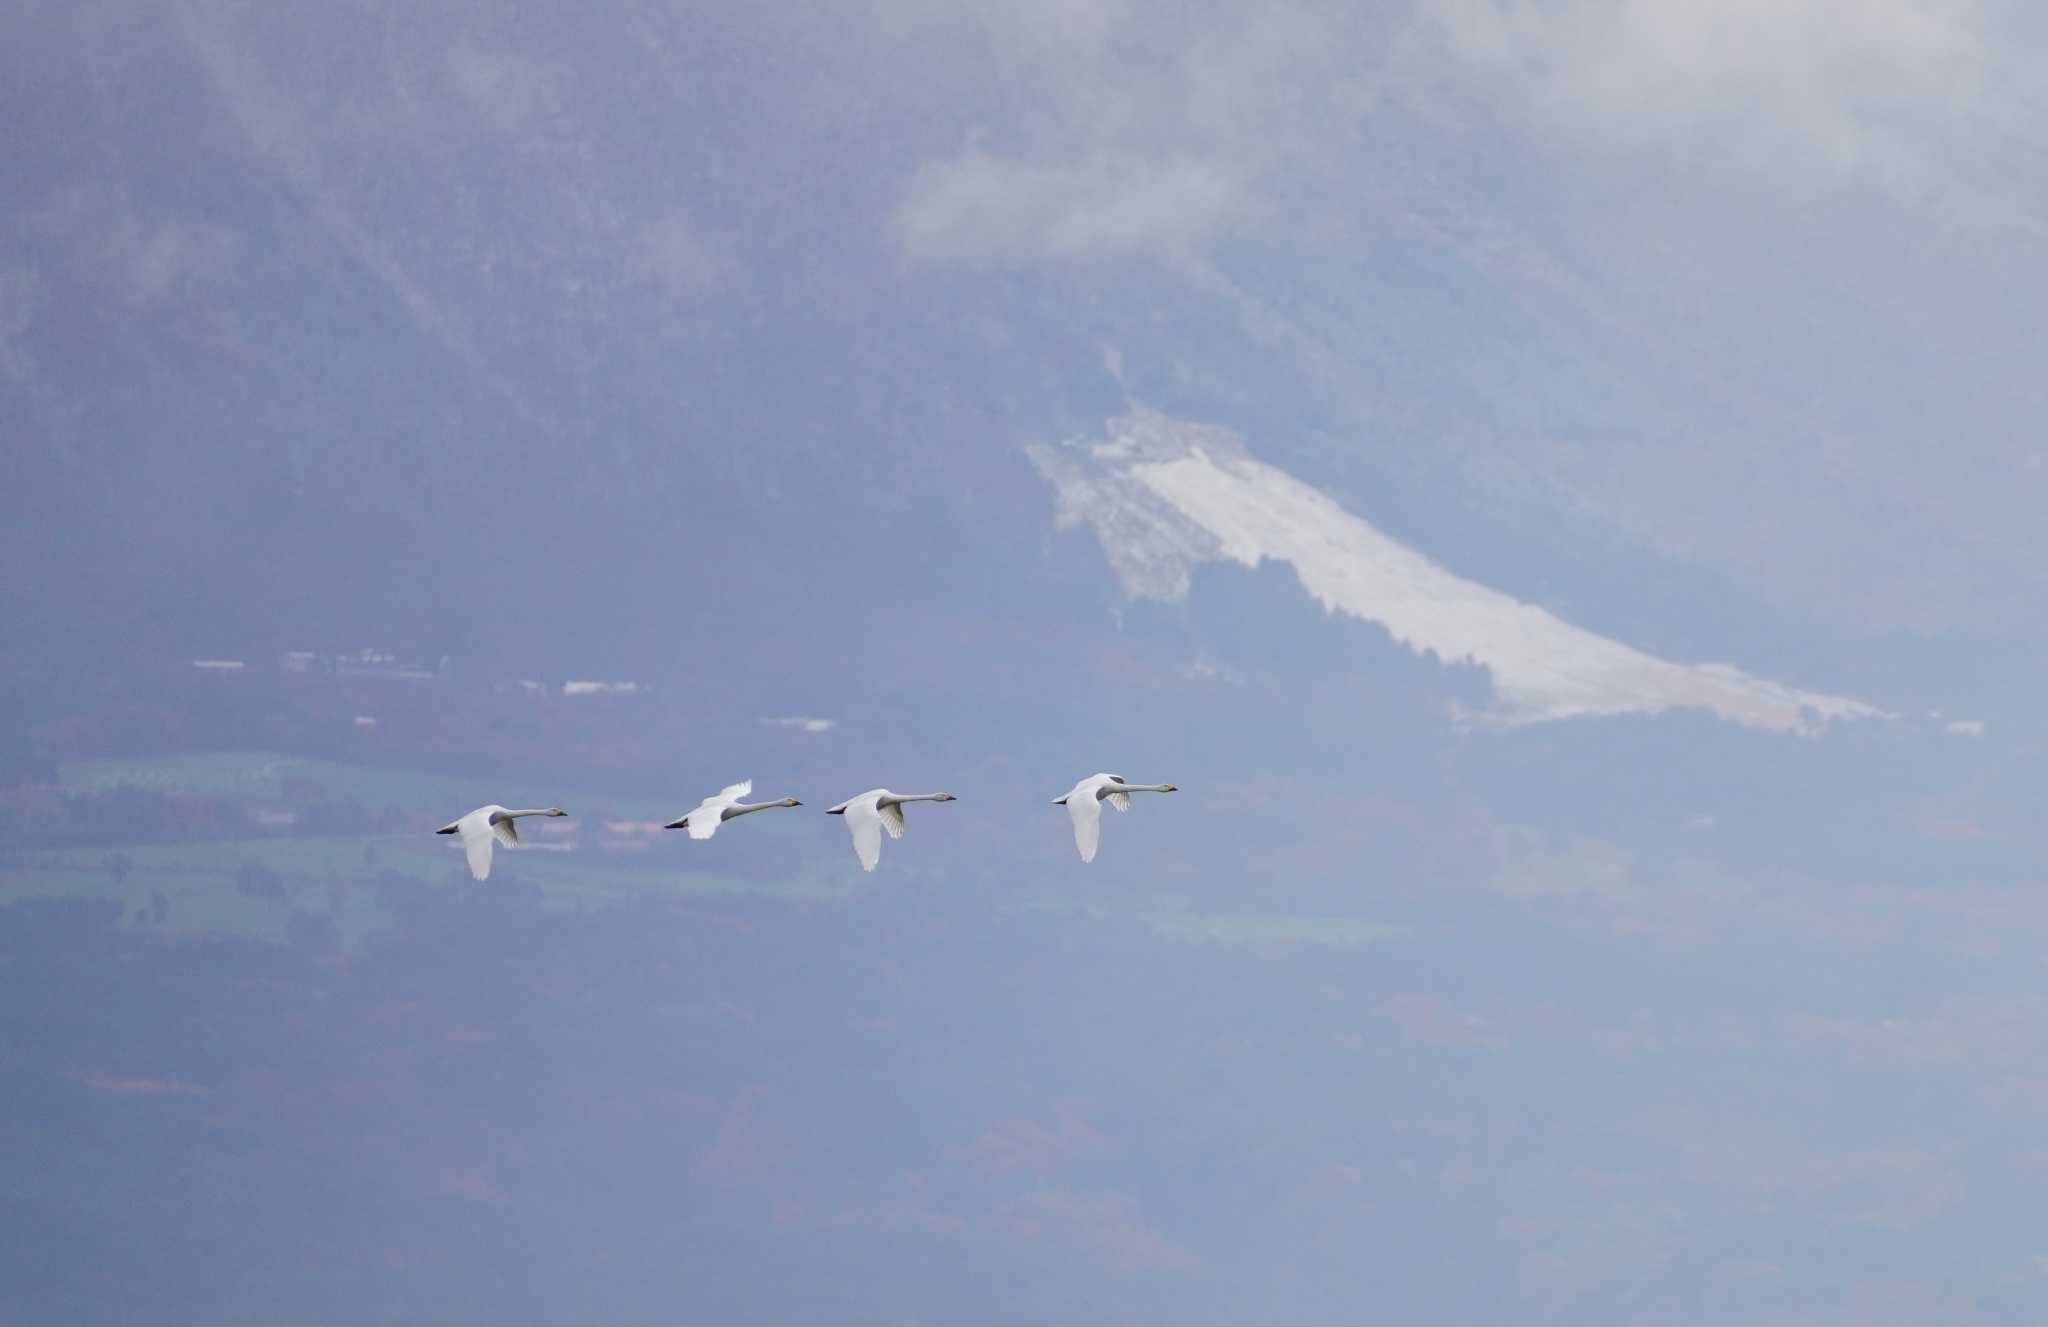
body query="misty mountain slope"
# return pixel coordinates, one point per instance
(452, 246)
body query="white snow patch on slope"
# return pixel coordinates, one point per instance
(1165, 496)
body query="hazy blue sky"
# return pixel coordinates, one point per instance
(1556, 484)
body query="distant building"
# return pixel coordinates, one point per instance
(376, 663)
(359, 663)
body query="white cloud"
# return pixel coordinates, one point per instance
(1138, 127)
(1851, 82)
(985, 209)
(1110, 131)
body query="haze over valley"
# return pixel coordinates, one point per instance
(1556, 489)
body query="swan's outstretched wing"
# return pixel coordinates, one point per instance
(506, 831)
(892, 817)
(1087, 814)
(476, 845)
(864, 822)
(703, 821)
(1102, 787)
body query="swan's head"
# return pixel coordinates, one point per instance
(556, 811)
(789, 801)
(945, 797)
(1170, 788)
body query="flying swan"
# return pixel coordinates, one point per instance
(715, 810)
(1084, 804)
(480, 826)
(874, 811)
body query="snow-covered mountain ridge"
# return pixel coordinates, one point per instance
(1166, 495)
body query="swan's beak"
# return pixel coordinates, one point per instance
(794, 802)
(1173, 788)
(684, 823)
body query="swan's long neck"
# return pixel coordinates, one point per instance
(1142, 788)
(742, 808)
(540, 811)
(918, 797)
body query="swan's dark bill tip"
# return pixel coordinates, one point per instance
(449, 830)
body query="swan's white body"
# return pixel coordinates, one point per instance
(485, 824)
(703, 821)
(1084, 805)
(874, 811)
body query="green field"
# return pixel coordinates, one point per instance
(342, 879)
